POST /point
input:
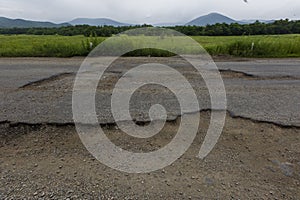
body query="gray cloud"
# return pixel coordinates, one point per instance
(142, 11)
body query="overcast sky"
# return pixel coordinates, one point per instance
(147, 11)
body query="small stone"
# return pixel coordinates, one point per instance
(42, 194)
(70, 192)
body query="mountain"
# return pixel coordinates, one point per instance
(211, 19)
(96, 22)
(21, 23)
(214, 18)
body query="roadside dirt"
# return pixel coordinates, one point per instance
(252, 160)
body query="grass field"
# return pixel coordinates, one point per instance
(269, 46)
(68, 46)
(44, 46)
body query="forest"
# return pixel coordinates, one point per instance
(278, 27)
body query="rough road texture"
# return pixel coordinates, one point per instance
(40, 90)
(41, 156)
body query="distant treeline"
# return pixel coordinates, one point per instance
(235, 29)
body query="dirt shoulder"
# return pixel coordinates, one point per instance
(251, 160)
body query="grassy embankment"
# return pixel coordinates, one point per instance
(64, 46)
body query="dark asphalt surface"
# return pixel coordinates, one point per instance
(273, 95)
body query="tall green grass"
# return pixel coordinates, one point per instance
(46, 46)
(271, 46)
(67, 46)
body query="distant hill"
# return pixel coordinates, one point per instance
(211, 19)
(96, 22)
(21, 23)
(214, 18)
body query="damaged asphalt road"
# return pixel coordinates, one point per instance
(39, 90)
